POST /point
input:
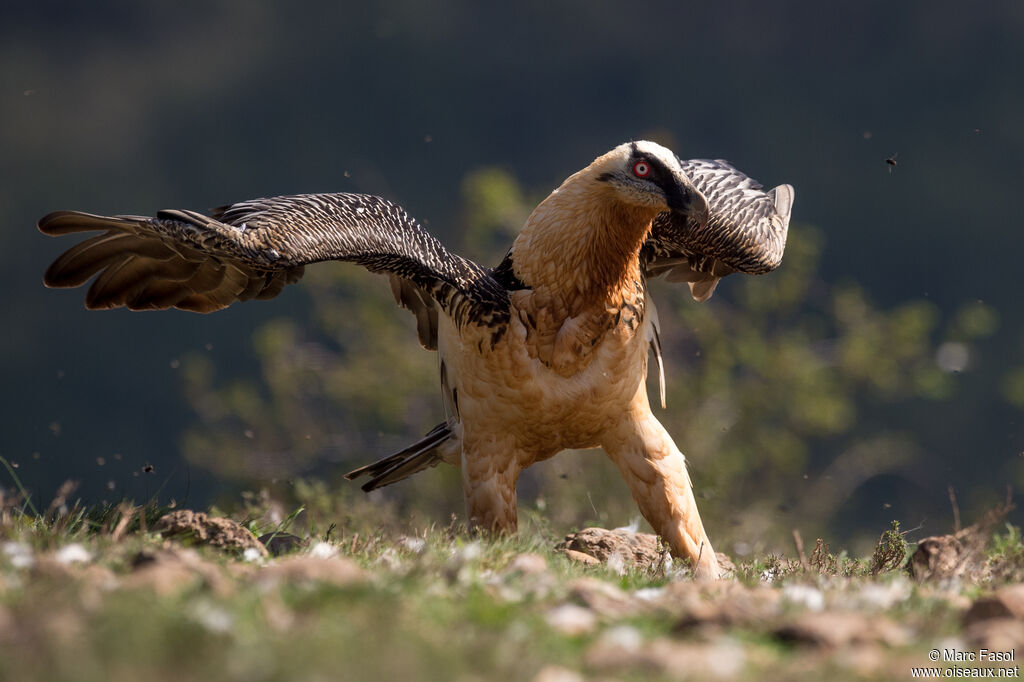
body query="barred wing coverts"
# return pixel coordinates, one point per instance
(745, 231)
(252, 249)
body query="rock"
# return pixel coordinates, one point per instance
(937, 557)
(725, 564)
(282, 543)
(338, 571)
(164, 578)
(948, 593)
(807, 596)
(202, 529)
(581, 558)
(72, 554)
(19, 554)
(605, 599)
(94, 583)
(170, 570)
(1006, 602)
(635, 548)
(881, 596)
(622, 548)
(527, 575)
(995, 634)
(413, 543)
(960, 555)
(323, 550)
(720, 604)
(720, 659)
(528, 564)
(836, 629)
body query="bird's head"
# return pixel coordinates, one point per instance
(646, 174)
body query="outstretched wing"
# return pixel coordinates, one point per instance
(187, 260)
(745, 231)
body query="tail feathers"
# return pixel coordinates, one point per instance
(421, 455)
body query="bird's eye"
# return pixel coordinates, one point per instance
(641, 169)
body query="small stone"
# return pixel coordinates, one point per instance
(605, 599)
(213, 617)
(806, 596)
(830, 630)
(174, 569)
(323, 550)
(572, 620)
(650, 594)
(528, 564)
(835, 629)
(19, 554)
(995, 634)
(720, 604)
(281, 543)
(623, 637)
(72, 554)
(338, 571)
(1006, 602)
(882, 596)
(251, 554)
(414, 544)
(163, 578)
(720, 659)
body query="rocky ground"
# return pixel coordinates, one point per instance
(194, 596)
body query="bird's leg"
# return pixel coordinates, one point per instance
(655, 470)
(489, 475)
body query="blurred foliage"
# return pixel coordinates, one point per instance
(1013, 386)
(328, 386)
(494, 210)
(777, 388)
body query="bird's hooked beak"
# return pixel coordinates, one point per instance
(684, 198)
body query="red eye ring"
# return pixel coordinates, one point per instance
(641, 169)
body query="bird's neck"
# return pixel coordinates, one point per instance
(582, 245)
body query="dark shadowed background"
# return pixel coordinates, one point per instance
(463, 111)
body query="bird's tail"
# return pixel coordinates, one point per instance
(423, 454)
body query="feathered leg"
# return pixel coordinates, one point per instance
(655, 470)
(490, 470)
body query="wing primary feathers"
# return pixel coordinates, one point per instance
(254, 248)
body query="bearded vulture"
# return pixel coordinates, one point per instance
(545, 352)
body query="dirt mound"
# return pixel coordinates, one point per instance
(201, 529)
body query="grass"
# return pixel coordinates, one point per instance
(435, 603)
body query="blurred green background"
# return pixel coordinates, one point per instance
(881, 364)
